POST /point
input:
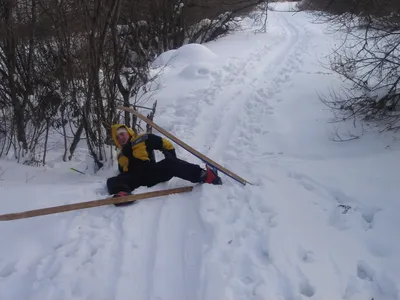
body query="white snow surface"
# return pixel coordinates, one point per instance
(319, 222)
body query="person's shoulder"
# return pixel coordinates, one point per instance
(140, 137)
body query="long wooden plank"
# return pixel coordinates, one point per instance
(93, 203)
(186, 146)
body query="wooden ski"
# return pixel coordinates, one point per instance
(93, 203)
(187, 147)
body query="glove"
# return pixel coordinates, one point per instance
(169, 154)
(127, 149)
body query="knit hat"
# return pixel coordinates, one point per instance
(122, 129)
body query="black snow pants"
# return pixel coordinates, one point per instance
(153, 173)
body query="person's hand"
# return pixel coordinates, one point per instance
(127, 149)
(169, 154)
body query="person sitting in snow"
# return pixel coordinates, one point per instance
(138, 167)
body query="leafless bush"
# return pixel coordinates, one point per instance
(354, 7)
(66, 65)
(368, 58)
(224, 18)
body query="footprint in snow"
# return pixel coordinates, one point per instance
(340, 215)
(305, 288)
(247, 274)
(364, 271)
(305, 255)
(48, 268)
(7, 270)
(379, 285)
(368, 216)
(331, 193)
(262, 252)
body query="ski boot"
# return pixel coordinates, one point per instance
(122, 194)
(211, 176)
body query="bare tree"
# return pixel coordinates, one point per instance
(368, 58)
(8, 52)
(66, 65)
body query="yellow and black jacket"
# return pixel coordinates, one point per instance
(140, 149)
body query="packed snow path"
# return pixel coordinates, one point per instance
(319, 223)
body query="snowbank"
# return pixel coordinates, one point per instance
(185, 55)
(199, 70)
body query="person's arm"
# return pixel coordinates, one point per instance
(159, 143)
(152, 142)
(123, 163)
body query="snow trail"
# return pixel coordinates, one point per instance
(227, 116)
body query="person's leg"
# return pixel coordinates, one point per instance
(173, 167)
(119, 183)
(122, 185)
(155, 173)
(194, 173)
(182, 169)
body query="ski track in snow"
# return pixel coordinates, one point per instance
(94, 239)
(228, 115)
(243, 273)
(162, 249)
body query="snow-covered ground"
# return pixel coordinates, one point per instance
(320, 222)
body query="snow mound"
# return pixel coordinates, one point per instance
(187, 54)
(197, 70)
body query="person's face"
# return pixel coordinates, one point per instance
(122, 137)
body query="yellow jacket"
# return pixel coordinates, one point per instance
(140, 150)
